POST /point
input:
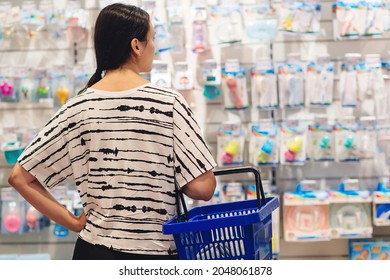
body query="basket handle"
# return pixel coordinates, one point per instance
(247, 169)
(227, 171)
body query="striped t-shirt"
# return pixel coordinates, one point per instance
(124, 150)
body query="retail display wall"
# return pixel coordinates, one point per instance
(48, 51)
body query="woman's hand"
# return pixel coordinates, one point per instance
(80, 222)
(38, 196)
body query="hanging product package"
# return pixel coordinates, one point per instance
(319, 82)
(291, 89)
(42, 85)
(263, 85)
(13, 211)
(264, 143)
(176, 26)
(24, 84)
(184, 78)
(10, 18)
(234, 86)
(77, 22)
(231, 140)
(7, 85)
(321, 142)
(288, 17)
(383, 138)
(211, 73)
(348, 86)
(199, 29)
(32, 18)
(300, 17)
(293, 136)
(61, 82)
(81, 74)
(56, 21)
(367, 137)
(260, 22)
(370, 78)
(382, 98)
(163, 39)
(308, 15)
(13, 143)
(375, 18)
(347, 142)
(160, 74)
(233, 191)
(349, 19)
(226, 23)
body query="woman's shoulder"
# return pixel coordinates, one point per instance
(162, 90)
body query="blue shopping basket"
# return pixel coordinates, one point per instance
(229, 231)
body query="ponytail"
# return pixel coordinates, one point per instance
(96, 77)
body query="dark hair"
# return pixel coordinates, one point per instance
(116, 26)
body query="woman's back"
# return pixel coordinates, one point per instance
(125, 150)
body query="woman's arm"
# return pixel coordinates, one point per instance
(30, 188)
(202, 187)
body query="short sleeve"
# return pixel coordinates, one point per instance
(47, 156)
(192, 156)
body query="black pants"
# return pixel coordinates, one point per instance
(86, 251)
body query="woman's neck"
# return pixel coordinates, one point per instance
(121, 79)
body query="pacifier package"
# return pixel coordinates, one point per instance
(42, 85)
(264, 143)
(24, 85)
(7, 85)
(321, 140)
(346, 140)
(231, 140)
(293, 136)
(61, 85)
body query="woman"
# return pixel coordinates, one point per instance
(125, 142)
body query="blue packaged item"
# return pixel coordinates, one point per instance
(381, 203)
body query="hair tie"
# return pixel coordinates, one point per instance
(99, 71)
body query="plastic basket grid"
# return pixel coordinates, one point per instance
(236, 230)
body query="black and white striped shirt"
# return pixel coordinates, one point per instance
(124, 150)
